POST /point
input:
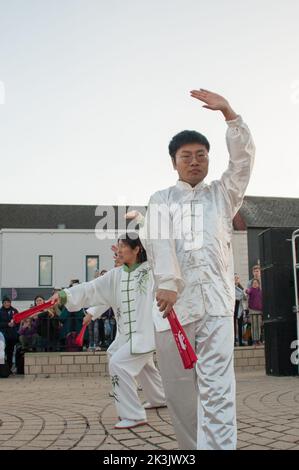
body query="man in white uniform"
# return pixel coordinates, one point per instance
(188, 237)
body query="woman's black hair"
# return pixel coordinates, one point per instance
(132, 239)
(38, 297)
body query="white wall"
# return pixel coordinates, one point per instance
(240, 250)
(1, 258)
(69, 248)
(20, 249)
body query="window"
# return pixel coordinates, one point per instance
(92, 263)
(45, 270)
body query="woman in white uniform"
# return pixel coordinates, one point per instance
(129, 291)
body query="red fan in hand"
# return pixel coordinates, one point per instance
(18, 317)
(80, 337)
(186, 351)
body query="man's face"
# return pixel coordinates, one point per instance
(256, 273)
(192, 163)
(7, 304)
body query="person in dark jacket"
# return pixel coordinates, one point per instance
(71, 322)
(48, 327)
(28, 336)
(8, 328)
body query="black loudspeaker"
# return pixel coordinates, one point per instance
(278, 292)
(280, 325)
(277, 273)
(4, 371)
(276, 247)
(281, 349)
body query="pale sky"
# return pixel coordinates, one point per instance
(91, 91)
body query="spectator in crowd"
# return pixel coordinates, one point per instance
(107, 322)
(2, 349)
(71, 326)
(239, 311)
(256, 272)
(48, 326)
(109, 328)
(4, 370)
(28, 334)
(96, 328)
(255, 310)
(9, 329)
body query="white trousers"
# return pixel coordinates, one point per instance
(124, 367)
(201, 402)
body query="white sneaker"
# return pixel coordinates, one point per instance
(130, 423)
(150, 406)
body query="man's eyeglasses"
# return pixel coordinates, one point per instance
(200, 158)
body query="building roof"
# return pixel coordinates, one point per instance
(266, 212)
(41, 216)
(261, 212)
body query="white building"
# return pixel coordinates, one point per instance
(34, 261)
(45, 246)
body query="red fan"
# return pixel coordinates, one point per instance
(186, 351)
(80, 337)
(18, 317)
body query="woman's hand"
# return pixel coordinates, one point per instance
(87, 319)
(54, 299)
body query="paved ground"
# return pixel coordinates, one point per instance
(78, 414)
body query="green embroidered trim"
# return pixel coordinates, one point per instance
(128, 301)
(142, 279)
(140, 354)
(62, 297)
(129, 269)
(115, 380)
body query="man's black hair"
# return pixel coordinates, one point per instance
(186, 137)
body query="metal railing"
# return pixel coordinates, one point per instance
(295, 249)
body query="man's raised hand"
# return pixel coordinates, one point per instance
(215, 102)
